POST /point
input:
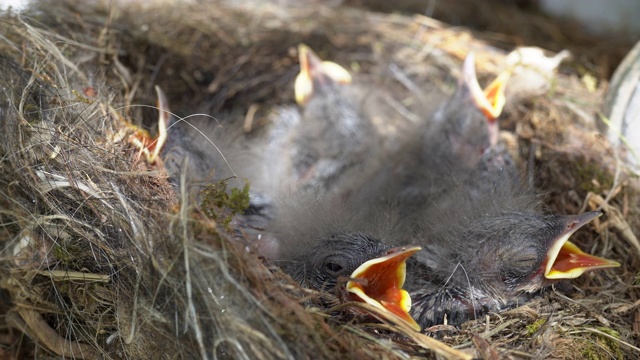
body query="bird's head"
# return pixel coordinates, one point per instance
(336, 132)
(494, 262)
(468, 119)
(332, 258)
(316, 75)
(372, 272)
(523, 252)
(507, 251)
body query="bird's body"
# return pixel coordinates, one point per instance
(486, 241)
(455, 143)
(210, 149)
(324, 144)
(336, 143)
(328, 247)
(488, 251)
(335, 138)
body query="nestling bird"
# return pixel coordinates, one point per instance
(322, 245)
(493, 263)
(335, 139)
(486, 243)
(322, 146)
(369, 271)
(327, 141)
(201, 151)
(466, 125)
(457, 141)
(487, 252)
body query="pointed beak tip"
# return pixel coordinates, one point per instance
(594, 263)
(412, 323)
(303, 51)
(565, 260)
(336, 73)
(394, 257)
(410, 249)
(570, 262)
(588, 216)
(490, 101)
(470, 60)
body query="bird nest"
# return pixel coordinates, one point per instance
(103, 258)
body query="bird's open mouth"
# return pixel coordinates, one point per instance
(149, 146)
(565, 260)
(491, 100)
(379, 282)
(311, 67)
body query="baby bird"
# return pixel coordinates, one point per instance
(335, 140)
(495, 262)
(322, 145)
(466, 123)
(457, 141)
(323, 245)
(206, 148)
(486, 243)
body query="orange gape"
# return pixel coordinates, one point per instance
(149, 146)
(379, 282)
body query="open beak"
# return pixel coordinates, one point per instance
(379, 282)
(312, 68)
(141, 138)
(565, 260)
(163, 121)
(494, 94)
(489, 101)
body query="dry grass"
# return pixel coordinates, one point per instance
(103, 259)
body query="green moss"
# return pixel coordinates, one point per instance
(239, 199)
(535, 326)
(62, 254)
(221, 205)
(611, 344)
(68, 255)
(587, 172)
(602, 347)
(590, 351)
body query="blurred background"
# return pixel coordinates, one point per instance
(601, 32)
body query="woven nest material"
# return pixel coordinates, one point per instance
(103, 258)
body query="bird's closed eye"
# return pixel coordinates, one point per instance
(526, 261)
(523, 264)
(333, 267)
